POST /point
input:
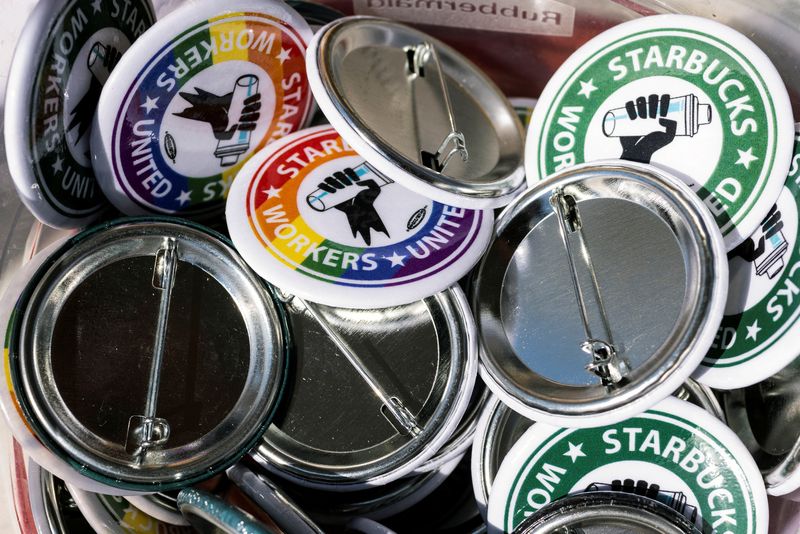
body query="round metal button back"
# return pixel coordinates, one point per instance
(765, 417)
(147, 354)
(604, 512)
(600, 295)
(372, 394)
(463, 435)
(418, 111)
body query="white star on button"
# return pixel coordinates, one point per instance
(57, 165)
(746, 157)
(587, 88)
(575, 451)
(150, 104)
(272, 192)
(283, 56)
(184, 197)
(753, 330)
(96, 6)
(396, 259)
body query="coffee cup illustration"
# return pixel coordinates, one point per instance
(319, 200)
(687, 112)
(230, 150)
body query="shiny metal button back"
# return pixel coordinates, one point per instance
(148, 354)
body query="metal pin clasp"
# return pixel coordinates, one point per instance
(418, 58)
(392, 408)
(148, 431)
(605, 362)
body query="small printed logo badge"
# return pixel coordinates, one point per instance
(170, 148)
(416, 218)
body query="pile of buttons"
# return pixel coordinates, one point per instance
(288, 301)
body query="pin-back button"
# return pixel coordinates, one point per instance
(194, 99)
(179, 298)
(312, 217)
(117, 515)
(11, 307)
(61, 62)
(687, 94)
(674, 448)
(418, 111)
(758, 335)
(273, 500)
(600, 294)
(374, 393)
(764, 416)
(208, 513)
(499, 428)
(331, 508)
(613, 511)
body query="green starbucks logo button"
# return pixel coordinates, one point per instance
(62, 61)
(683, 93)
(679, 447)
(758, 335)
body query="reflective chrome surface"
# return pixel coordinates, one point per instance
(82, 350)
(606, 513)
(652, 261)
(463, 436)
(364, 66)
(766, 417)
(333, 429)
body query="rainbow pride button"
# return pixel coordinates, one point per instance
(312, 217)
(195, 97)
